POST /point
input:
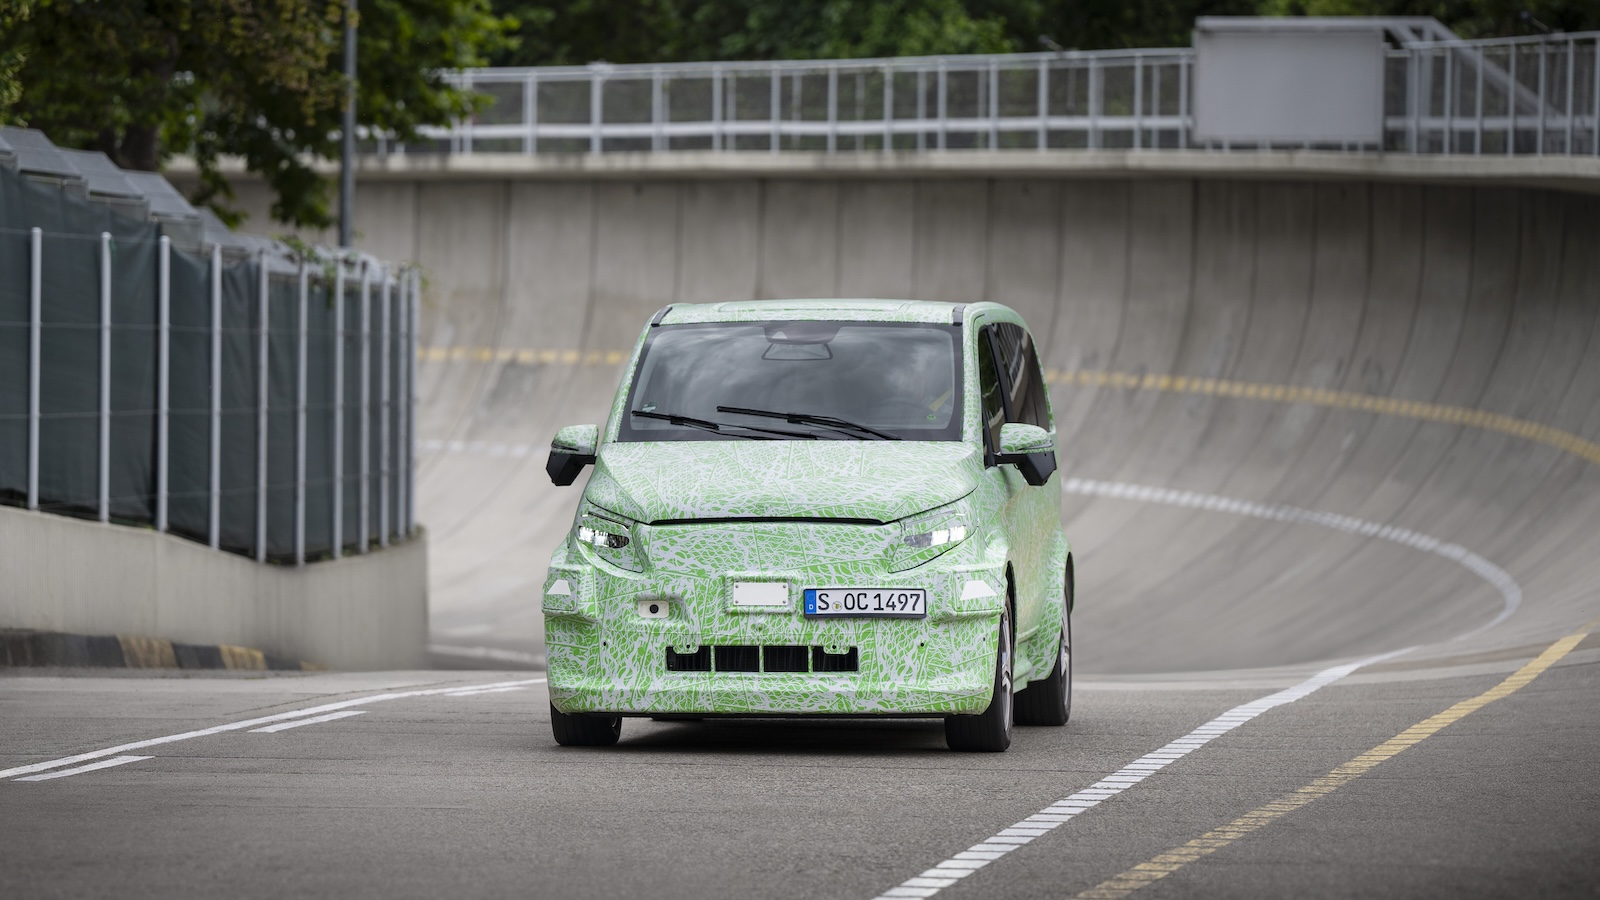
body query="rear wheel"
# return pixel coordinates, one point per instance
(989, 732)
(574, 730)
(1049, 702)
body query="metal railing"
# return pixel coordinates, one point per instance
(1538, 95)
(158, 369)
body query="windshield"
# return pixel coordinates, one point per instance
(863, 379)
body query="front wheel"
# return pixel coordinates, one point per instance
(989, 732)
(1049, 702)
(584, 731)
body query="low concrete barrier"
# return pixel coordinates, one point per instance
(70, 575)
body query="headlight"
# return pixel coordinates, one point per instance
(607, 535)
(927, 535)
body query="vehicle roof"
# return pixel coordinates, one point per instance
(862, 310)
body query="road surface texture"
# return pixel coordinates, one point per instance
(1335, 505)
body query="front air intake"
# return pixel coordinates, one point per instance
(785, 659)
(823, 661)
(738, 658)
(698, 661)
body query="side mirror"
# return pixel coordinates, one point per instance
(1030, 448)
(570, 450)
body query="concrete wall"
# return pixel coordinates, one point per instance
(1482, 295)
(64, 574)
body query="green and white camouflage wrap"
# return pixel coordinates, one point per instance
(700, 516)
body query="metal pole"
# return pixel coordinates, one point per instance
(347, 149)
(364, 528)
(994, 105)
(300, 425)
(658, 135)
(35, 326)
(530, 107)
(1183, 103)
(1512, 87)
(402, 401)
(163, 382)
(105, 376)
(777, 109)
(338, 410)
(1138, 101)
(1572, 59)
(1478, 105)
(1093, 141)
(596, 109)
(261, 409)
(922, 109)
(1043, 140)
(888, 109)
(411, 399)
(1538, 142)
(214, 528)
(833, 108)
(383, 418)
(942, 106)
(716, 108)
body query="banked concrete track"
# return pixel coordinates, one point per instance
(1337, 427)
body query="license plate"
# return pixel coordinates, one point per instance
(911, 603)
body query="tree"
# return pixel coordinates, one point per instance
(142, 80)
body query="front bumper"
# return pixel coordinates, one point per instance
(605, 654)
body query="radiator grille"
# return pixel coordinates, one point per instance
(775, 658)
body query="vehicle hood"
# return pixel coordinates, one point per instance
(880, 480)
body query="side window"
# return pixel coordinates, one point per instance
(1030, 399)
(994, 413)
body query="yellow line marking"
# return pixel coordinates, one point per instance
(1178, 384)
(1389, 406)
(1165, 864)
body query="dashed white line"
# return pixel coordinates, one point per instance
(477, 691)
(296, 723)
(245, 725)
(92, 767)
(960, 865)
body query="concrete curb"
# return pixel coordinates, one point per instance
(22, 647)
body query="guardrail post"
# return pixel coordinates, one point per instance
(530, 114)
(777, 109)
(596, 109)
(35, 326)
(658, 134)
(1138, 101)
(214, 526)
(1572, 59)
(1183, 102)
(1538, 141)
(1594, 124)
(338, 408)
(833, 108)
(1511, 100)
(888, 109)
(105, 376)
(716, 108)
(364, 528)
(262, 288)
(163, 379)
(1095, 81)
(300, 422)
(383, 417)
(1043, 140)
(942, 84)
(994, 105)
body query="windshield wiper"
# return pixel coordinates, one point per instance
(708, 425)
(793, 418)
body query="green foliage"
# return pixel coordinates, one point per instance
(144, 79)
(574, 32)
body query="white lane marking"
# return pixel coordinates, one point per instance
(296, 723)
(1059, 813)
(962, 864)
(516, 656)
(92, 767)
(474, 693)
(244, 725)
(1500, 579)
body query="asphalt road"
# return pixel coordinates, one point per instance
(465, 795)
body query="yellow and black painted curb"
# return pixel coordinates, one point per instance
(22, 647)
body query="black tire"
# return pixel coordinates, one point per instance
(1049, 702)
(990, 731)
(584, 730)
